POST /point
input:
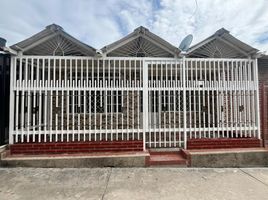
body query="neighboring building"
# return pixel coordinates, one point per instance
(263, 80)
(139, 88)
(4, 92)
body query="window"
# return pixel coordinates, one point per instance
(172, 101)
(114, 101)
(94, 102)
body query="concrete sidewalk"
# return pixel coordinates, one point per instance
(133, 183)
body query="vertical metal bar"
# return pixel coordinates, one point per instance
(218, 110)
(133, 109)
(11, 100)
(236, 98)
(204, 98)
(250, 99)
(213, 99)
(247, 97)
(33, 114)
(45, 113)
(54, 72)
(226, 96)
(17, 95)
(90, 107)
(57, 107)
(160, 100)
(190, 98)
(62, 117)
(31, 73)
(255, 65)
(184, 103)
(231, 99)
(240, 98)
(195, 100)
(40, 105)
(50, 116)
(209, 94)
(105, 109)
(84, 107)
(28, 113)
(169, 108)
(100, 96)
(199, 99)
(127, 108)
(165, 102)
(145, 100)
(112, 105)
(73, 94)
(67, 109)
(244, 97)
(117, 109)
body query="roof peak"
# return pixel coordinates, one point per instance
(141, 30)
(221, 31)
(54, 27)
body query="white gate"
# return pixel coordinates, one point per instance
(158, 100)
(165, 103)
(201, 98)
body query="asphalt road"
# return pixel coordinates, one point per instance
(133, 183)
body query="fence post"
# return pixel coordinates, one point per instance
(11, 100)
(145, 101)
(263, 110)
(257, 96)
(184, 101)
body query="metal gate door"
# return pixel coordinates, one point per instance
(165, 104)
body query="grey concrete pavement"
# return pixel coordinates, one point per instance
(133, 183)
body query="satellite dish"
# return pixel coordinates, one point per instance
(185, 43)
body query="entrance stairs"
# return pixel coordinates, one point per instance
(166, 158)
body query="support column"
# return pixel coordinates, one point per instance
(263, 105)
(145, 101)
(255, 64)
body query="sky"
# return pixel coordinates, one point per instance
(101, 22)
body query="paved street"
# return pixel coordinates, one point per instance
(133, 183)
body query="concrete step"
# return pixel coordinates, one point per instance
(166, 158)
(80, 160)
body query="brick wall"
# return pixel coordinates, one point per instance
(223, 143)
(263, 100)
(76, 147)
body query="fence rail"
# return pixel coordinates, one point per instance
(160, 101)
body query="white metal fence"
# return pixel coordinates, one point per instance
(160, 101)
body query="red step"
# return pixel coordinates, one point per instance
(166, 158)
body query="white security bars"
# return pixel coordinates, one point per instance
(160, 101)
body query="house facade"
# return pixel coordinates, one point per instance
(139, 92)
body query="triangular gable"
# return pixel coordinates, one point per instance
(53, 40)
(221, 45)
(141, 43)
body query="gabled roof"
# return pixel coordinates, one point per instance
(53, 40)
(141, 42)
(222, 44)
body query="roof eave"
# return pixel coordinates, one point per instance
(220, 35)
(141, 32)
(44, 35)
